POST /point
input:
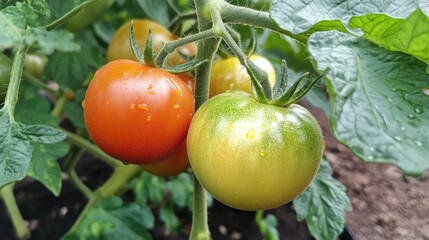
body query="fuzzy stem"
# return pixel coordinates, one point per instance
(19, 224)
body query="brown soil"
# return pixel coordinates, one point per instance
(386, 204)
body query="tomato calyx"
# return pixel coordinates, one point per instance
(283, 93)
(148, 58)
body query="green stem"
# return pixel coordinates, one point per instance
(169, 47)
(15, 80)
(77, 182)
(18, 222)
(69, 15)
(74, 178)
(246, 16)
(121, 175)
(59, 106)
(206, 50)
(93, 149)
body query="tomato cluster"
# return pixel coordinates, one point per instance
(247, 154)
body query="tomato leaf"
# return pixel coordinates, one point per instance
(169, 218)
(74, 111)
(409, 35)
(33, 109)
(147, 188)
(48, 41)
(323, 205)
(111, 218)
(378, 107)
(267, 226)
(16, 151)
(181, 190)
(156, 10)
(71, 69)
(395, 25)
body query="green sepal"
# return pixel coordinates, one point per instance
(134, 46)
(260, 85)
(185, 67)
(148, 51)
(253, 42)
(282, 81)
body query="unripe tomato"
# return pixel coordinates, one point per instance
(119, 47)
(88, 15)
(5, 68)
(172, 165)
(136, 113)
(228, 74)
(253, 156)
(35, 64)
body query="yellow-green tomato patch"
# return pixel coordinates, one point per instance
(253, 156)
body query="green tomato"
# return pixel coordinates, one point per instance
(253, 156)
(35, 64)
(5, 68)
(89, 14)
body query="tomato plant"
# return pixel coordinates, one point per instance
(137, 113)
(229, 74)
(119, 47)
(253, 156)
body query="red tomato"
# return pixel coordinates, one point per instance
(136, 113)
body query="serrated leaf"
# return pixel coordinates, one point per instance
(71, 69)
(43, 134)
(44, 166)
(320, 15)
(409, 35)
(12, 23)
(48, 41)
(378, 108)
(15, 151)
(32, 108)
(323, 205)
(113, 219)
(148, 187)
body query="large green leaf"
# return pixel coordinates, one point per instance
(112, 219)
(378, 108)
(396, 25)
(323, 205)
(409, 35)
(318, 15)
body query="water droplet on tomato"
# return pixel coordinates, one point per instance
(262, 153)
(83, 103)
(150, 90)
(132, 106)
(176, 106)
(143, 106)
(250, 135)
(148, 118)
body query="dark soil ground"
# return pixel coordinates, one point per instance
(386, 205)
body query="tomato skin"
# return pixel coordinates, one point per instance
(119, 47)
(178, 161)
(253, 156)
(35, 64)
(172, 165)
(228, 74)
(136, 113)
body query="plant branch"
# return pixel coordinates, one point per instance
(169, 47)
(121, 175)
(18, 222)
(93, 149)
(15, 80)
(69, 15)
(246, 16)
